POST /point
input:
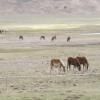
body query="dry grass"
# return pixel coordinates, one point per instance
(25, 64)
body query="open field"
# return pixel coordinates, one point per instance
(25, 73)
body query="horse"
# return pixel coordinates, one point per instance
(53, 38)
(73, 61)
(68, 39)
(57, 63)
(83, 61)
(21, 37)
(1, 31)
(42, 37)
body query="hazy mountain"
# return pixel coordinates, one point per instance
(62, 8)
(55, 7)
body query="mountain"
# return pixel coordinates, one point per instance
(50, 7)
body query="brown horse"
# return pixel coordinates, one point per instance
(21, 37)
(57, 63)
(84, 62)
(53, 38)
(42, 37)
(73, 61)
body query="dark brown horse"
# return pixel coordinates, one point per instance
(84, 62)
(68, 39)
(73, 61)
(57, 63)
(42, 37)
(53, 38)
(21, 37)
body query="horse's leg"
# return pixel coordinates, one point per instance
(64, 69)
(59, 69)
(83, 67)
(51, 68)
(77, 67)
(74, 67)
(68, 66)
(87, 66)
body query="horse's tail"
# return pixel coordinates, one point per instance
(87, 64)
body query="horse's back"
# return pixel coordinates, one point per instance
(82, 59)
(55, 60)
(73, 61)
(70, 59)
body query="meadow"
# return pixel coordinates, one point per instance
(25, 66)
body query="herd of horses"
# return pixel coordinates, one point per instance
(42, 37)
(54, 38)
(76, 63)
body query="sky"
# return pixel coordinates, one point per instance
(33, 12)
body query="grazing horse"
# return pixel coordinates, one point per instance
(21, 37)
(1, 31)
(53, 38)
(68, 39)
(84, 62)
(42, 37)
(57, 63)
(73, 61)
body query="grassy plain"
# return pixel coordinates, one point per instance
(25, 67)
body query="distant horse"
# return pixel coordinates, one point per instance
(57, 63)
(73, 61)
(1, 31)
(84, 62)
(42, 37)
(21, 37)
(68, 39)
(65, 7)
(53, 38)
